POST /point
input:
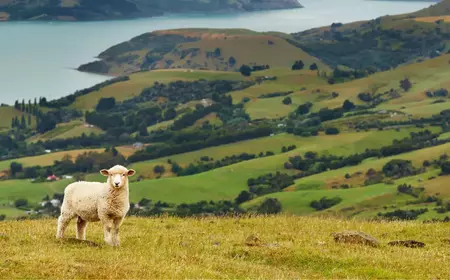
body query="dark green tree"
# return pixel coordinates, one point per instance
(287, 101)
(245, 70)
(23, 123)
(270, 206)
(159, 169)
(298, 65)
(15, 168)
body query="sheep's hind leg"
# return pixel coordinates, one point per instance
(81, 228)
(63, 221)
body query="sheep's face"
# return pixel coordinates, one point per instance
(117, 176)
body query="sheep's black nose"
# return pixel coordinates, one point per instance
(117, 184)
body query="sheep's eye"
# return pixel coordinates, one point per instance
(123, 175)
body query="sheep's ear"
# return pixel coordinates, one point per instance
(104, 172)
(131, 172)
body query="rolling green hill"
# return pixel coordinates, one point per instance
(298, 136)
(212, 49)
(380, 43)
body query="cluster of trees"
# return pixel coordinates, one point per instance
(398, 168)
(275, 94)
(191, 141)
(340, 75)
(47, 121)
(311, 163)
(442, 92)
(28, 108)
(84, 163)
(269, 183)
(200, 167)
(379, 44)
(247, 70)
(410, 190)
(67, 100)
(299, 65)
(285, 149)
(22, 124)
(403, 214)
(124, 118)
(201, 208)
(325, 203)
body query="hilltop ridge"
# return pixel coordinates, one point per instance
(81, 10)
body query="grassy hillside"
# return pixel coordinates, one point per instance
(139, 81)
(381, 43)
(7, 113)
(212, 49)
(287, 247)
(67, 130)
(48, 159)
(429, 75)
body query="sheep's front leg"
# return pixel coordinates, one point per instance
(108, 228)
(115, 232)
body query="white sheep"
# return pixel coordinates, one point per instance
(92, 202)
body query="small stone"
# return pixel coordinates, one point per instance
(253, 240)
(355, 237)
(407, 243)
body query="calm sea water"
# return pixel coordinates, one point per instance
(37, 59)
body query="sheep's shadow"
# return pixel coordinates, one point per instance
(80, 242)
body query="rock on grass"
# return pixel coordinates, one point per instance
(355, 237)
(407, 243)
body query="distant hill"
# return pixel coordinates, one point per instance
(381, 43)
(207, 49)
(120, 9)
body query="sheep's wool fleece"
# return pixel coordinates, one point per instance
(91, 200)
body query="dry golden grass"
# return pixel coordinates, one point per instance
(175, 248)
(433, 19)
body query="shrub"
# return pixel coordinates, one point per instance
(304, 108)
(287, 101)
(325, 203)
(270, 206)
(159, 169)
(405, 84)
(21, 202)
(348, 105)
(445, 168)
(243, 197)
(245, 70)
(313, 67)
(298, 65)
(398, 168)
(332, 131)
